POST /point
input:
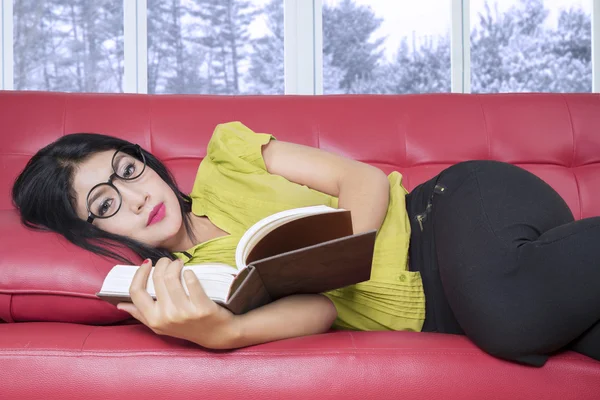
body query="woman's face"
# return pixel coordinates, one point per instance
(149, 212)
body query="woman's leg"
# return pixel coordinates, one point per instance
(522, 278)
(589, 342)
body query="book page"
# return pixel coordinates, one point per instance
(267, 224)
(215, 279)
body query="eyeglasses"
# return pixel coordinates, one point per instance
(104, 200)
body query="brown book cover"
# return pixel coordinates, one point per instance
(114, 299)
(315, 269)
(248, 292)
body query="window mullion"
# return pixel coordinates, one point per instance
(299, 46)
(596, 46)
(142, 46)
(318, 46)
(135, 46)
(129, 46)
(460, 47)
(6, 46)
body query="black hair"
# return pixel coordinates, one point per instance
(44, 195)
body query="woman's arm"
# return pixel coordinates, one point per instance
(195, 317)
(360, 188)
(292, 316)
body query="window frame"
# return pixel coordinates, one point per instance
(6, 45)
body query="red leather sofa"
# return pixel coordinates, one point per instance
(58, 342)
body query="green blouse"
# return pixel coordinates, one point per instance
(234, 190)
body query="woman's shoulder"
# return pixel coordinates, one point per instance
(235, 145)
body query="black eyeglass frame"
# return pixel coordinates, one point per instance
(91, 216)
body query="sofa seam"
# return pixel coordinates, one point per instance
(64, 116)
(379, 351)
(149, 110)
(10, 309)
(371, 351)
(573, 154)
(48, 292)
(572, 128)
(86, 338)
(352, 339)
(406, 163)
(485, 128)
(578, 193)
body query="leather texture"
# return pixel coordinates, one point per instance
(64, 361)
(59, 349)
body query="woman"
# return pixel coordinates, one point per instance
(493, 249)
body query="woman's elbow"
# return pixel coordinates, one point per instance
(329, 314)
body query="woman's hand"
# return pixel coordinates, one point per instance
(195, 317)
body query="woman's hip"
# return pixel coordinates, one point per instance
(471, 212)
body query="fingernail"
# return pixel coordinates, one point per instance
(146, 261)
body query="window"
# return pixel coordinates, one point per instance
(531, 46)
(68, 45)
(216, 47)
(380, 46)
(331, 46)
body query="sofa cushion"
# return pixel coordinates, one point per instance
(68, 359)
(45, 278)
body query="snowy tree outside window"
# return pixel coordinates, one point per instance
(68, 45)
(531, 46)
(378, 46)
(215, 46)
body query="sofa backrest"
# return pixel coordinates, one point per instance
(556, 136)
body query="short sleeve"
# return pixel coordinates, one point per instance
(236, 147)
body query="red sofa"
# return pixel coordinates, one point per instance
(59, 342)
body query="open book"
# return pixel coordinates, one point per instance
(298, 251)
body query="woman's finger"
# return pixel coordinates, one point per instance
(139, 295)
(158, 279)
(197, 294)
(173, 284)
(133, 311)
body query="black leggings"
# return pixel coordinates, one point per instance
(504, 262)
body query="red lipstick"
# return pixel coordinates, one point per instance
(157, 214)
